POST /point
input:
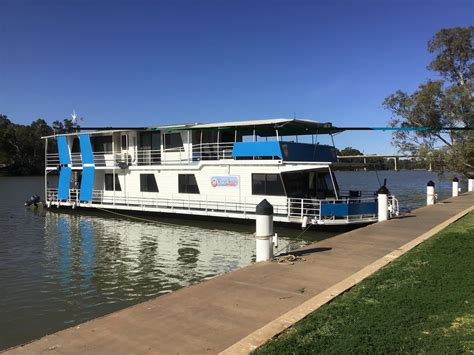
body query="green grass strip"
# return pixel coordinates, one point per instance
(423, 302)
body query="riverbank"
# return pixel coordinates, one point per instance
(421, 303)
(228, 310)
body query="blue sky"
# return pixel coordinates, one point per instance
(138, 63)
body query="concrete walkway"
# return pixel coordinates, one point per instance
(213, 315)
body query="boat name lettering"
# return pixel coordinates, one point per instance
(225, 181)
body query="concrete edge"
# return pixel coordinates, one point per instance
(280, 324)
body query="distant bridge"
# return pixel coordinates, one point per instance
(395, 158)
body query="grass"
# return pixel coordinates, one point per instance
(423, 302)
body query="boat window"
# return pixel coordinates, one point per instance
(209, 136)
(109, 183)
(267, 184)
(148, 183)
(314, 184)
(149, 140)
(227, 136)
(102, 144)
(124, 142)
(187, 184)
(173, 140)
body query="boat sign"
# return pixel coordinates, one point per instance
(225, 181)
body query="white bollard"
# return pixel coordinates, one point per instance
(382, 197)
(430, 193)
(470, 185)
(264, 231)
(455, 187)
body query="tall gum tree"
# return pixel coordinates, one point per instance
(446, 102)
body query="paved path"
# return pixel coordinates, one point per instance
(213, 315)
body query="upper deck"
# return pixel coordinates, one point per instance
(278, 139)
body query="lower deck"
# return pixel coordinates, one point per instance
(341, 211)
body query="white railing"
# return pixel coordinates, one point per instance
(393, 206)
(106, 158)
(52, 160)
(300, 207)
(100, 197)
(76, 159)
(212, 151)
(294, 208)
(148, 157)
(179, 155)
(353, 194)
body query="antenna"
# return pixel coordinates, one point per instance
(74, 117)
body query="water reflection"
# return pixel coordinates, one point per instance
(86, 265)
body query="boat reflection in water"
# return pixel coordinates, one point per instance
(77, 267)
(123, 259)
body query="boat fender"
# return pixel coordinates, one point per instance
(304, 222)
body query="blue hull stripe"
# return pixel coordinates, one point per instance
(64, 179)
(87, 183)
(64, 158)
(86, 149)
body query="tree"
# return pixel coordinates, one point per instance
(4, 123)
(66, 126)
(21, 146)
(374, 163)
(348, 151)
(447, 102)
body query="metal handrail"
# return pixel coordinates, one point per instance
(197, 152)
(293, 208)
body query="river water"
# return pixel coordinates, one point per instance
(60, 268)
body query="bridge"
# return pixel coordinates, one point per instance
(395, 158)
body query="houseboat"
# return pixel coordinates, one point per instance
(219, 170)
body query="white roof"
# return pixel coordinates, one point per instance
(275, 123)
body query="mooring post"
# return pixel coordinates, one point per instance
(470, 184)
(455, 187)
(430, 193)
(264, 231)
(382, 198)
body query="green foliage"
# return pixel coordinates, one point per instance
(67, 126)
(21, 146)
(348, 151)
(421, 303)
(440, 103)
(454, 54)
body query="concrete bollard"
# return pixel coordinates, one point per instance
(382, 198)
(470, 184)
(455, 187)
(264, 231)
(430, 193)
